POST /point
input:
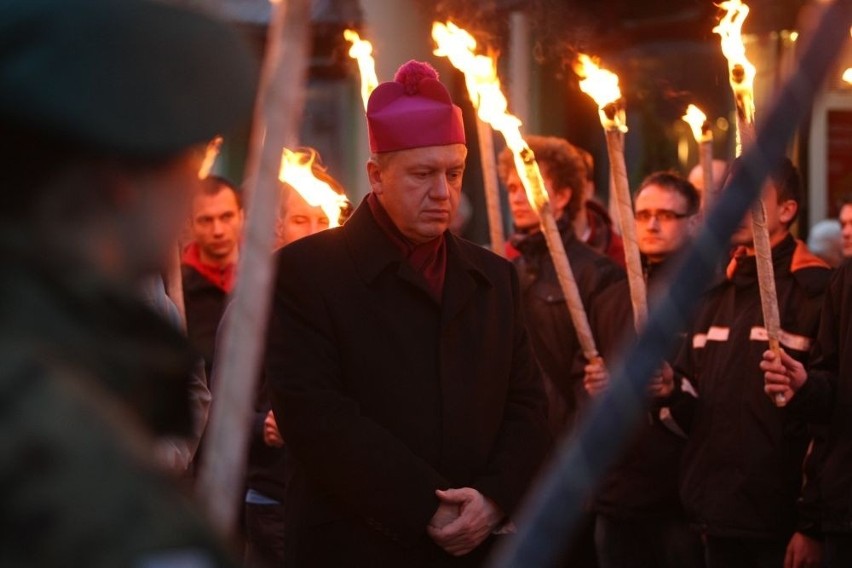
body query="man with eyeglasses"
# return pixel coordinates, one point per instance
(639, 520)
(742, 474)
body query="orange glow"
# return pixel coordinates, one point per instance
(297, 173)
(847, 75)
(362, 52)
(696, 119)
(483, 85)
(210, 155)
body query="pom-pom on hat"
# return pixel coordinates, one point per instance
(413, 111)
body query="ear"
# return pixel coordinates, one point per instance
(560, 198)
(787, 211)
(374, 174)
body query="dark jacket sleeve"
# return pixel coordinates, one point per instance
(809, 503)
(683, 402)
(815, 400)
(344, 452)
(524, 437)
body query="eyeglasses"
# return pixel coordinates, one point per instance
(661, 215)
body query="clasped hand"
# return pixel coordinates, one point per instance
(464, 519)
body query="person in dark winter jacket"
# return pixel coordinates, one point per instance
(105, 112)
(640, 521)
(593, 224)
(267, 464)
(552, 334)
(209, 262)
(822, 395)
(743, 463)
(398, 363)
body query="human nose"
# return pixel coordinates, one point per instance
(518, 196)
(441, 188)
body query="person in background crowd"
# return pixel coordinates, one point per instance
(267, 469)
(821, 394)
(845, 218)
(826, 241)
(592, 224)
(720, 174)
(640, 521)
(106, 107)
(176, 453)
(742, 480)
(209, 262)
(552, 334)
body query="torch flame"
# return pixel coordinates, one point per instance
(696, 119)
(210, 155)
(362, 52)
(741, 71)
(297, 172)
(483, 85)
(847, 75)
(602, 86)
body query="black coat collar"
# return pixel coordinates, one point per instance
(373, 253)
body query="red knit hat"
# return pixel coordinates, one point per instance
(413, 111)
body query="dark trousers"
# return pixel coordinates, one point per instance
(838, 550)
(264, 536)
(663, 543)
(745, 552)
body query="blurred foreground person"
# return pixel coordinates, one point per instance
(105, 109)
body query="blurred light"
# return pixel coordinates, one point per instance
(847, 75)
(683, 150)
(722, 124)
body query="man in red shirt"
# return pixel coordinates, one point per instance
(209, 262)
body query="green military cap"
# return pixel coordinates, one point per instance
(121, 77)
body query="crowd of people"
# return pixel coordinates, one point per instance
(414, 383)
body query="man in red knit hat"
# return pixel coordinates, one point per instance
(398, 363)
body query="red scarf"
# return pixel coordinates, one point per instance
(222, 277)
(427, 259)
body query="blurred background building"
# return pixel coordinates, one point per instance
(664, 52)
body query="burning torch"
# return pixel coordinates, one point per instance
(602, 86)
(362, 52)
(459, 47)
(741, 75)
(703, 133)
(480, 73)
